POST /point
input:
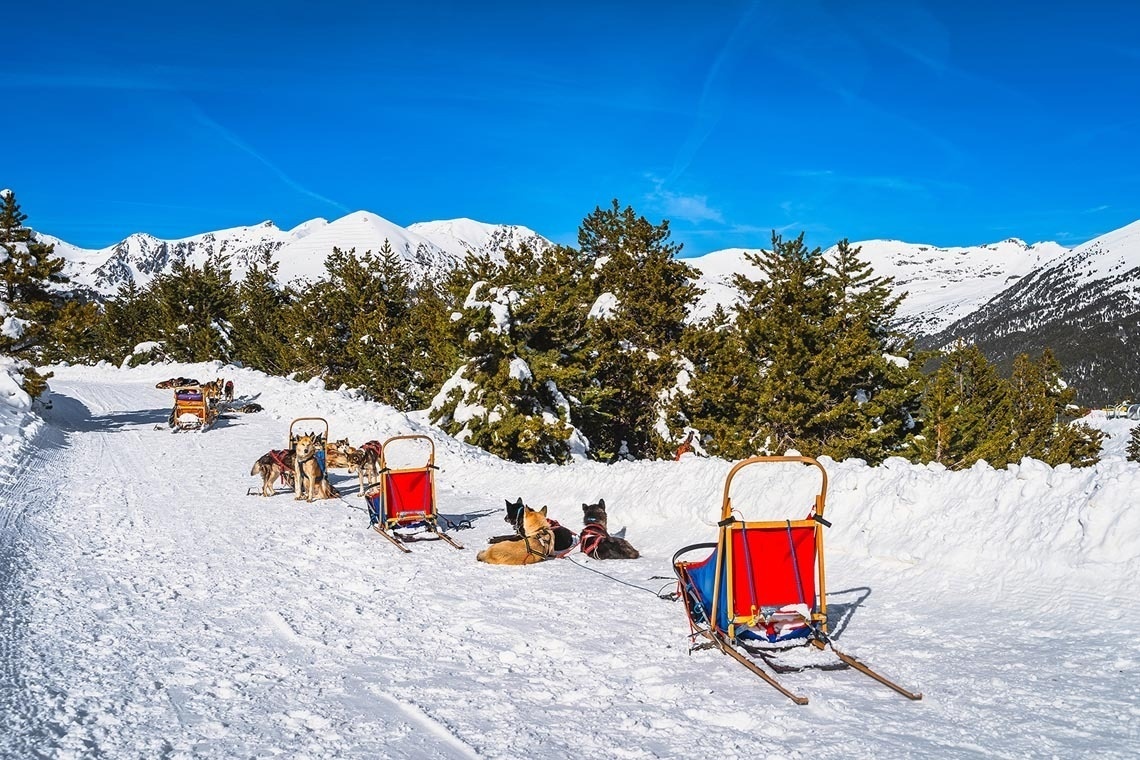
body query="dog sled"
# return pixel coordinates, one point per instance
(403, 503)
(762, 591)
(194, 408)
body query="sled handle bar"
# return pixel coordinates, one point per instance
(321, 420)
(726, 503)
(384, 450)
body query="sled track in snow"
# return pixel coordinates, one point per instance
(21, 500)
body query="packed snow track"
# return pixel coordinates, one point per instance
(150, 608)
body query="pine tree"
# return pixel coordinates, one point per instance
(193, 310)
(871, 373)
(967, 412)
(809, 363)
(721, 402)
(639, 297)
(1040, 402)
(128, 319)
(1133, 450)
(28, 306)
(259, 317)
(504, 398)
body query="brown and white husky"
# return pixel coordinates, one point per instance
(309, 481)
(535, 544)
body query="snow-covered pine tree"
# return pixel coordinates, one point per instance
(1133, 450)
(512, 325)
(503, 398)
(28, 306)
(641, 294)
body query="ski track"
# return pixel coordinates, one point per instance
(149, 608)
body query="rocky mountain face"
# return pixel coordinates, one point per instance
(1084, 305)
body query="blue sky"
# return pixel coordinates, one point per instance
(947, 123)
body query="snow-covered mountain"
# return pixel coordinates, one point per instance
(942, 284)
(463, 237)
(1084, 305)
(430, 248)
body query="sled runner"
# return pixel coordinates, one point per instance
(762, 589)
(193, 408)
(404, 499)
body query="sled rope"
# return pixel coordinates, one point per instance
(795, 564)
(667, 597)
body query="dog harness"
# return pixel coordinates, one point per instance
(278, 456)
(591, 537)
(542, 555)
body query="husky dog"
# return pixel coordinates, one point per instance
(563, 537)
(228, 392)
(366, 461)
(596, 540)
(336, 454)
(342, 456)
(250, 408)
(534, 543)
(306, 469)
(175, 382)
(275, 464)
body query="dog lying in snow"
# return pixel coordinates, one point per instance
(176, 382)
(563, 537)
(596, 539)
(534, 543)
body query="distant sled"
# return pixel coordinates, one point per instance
(195, 407)
(762, 591)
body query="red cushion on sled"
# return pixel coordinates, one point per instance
(408, 495)
(766, 556)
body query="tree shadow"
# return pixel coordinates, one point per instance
(73, 416)
(841, 606)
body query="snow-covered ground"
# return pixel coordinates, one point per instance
(149, 608)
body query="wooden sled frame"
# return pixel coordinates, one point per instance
(385, 493)
(728, 617)
(293, 436)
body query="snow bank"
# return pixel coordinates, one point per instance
(18, 424)
(1030, 519)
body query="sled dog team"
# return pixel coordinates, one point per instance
(536, 537)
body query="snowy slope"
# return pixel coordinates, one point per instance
(152, 609)
(363, 231)
(942, 284)
(463, 237)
